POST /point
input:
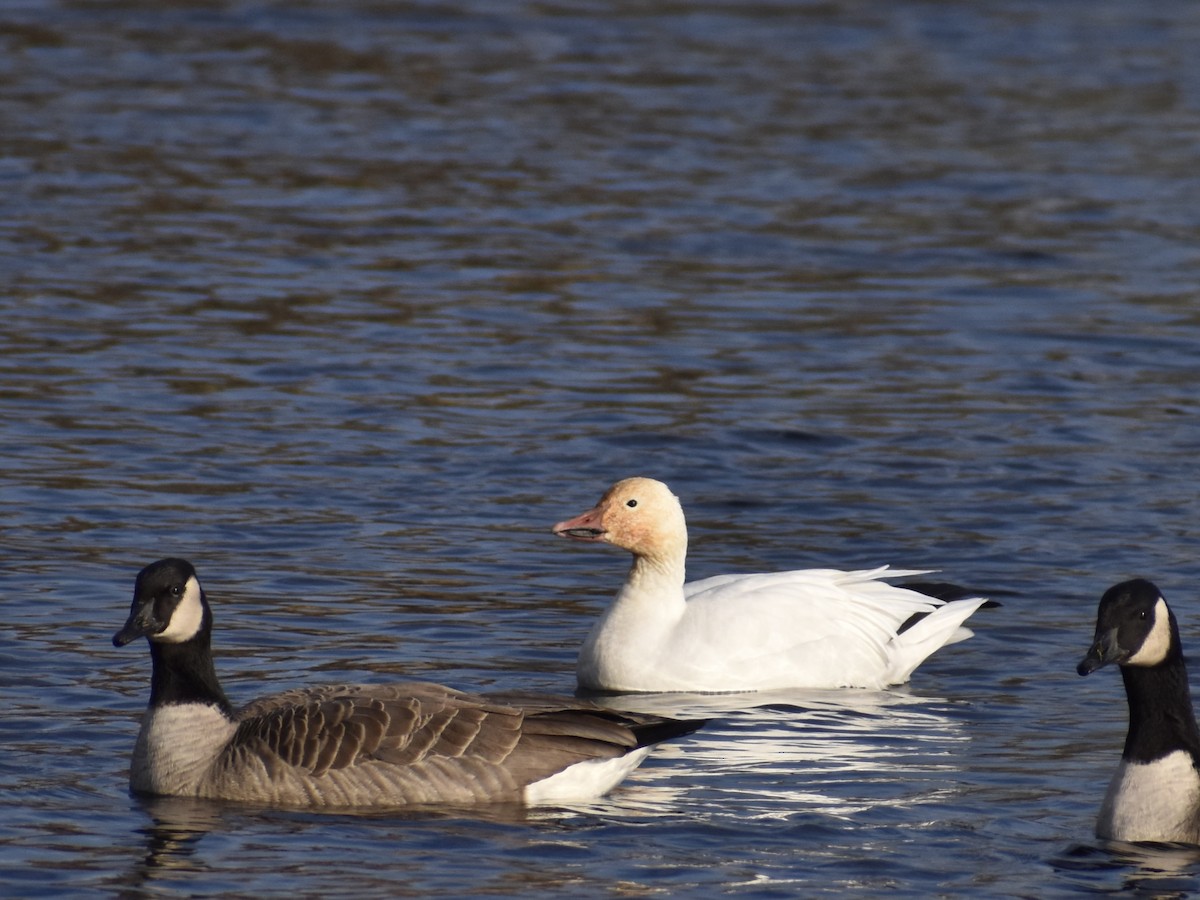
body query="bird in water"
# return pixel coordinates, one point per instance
(808, 628)
(1155, 793)
(385, 745)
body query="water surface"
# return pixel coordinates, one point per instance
(348, 303)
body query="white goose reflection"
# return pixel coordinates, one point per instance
(776, 754)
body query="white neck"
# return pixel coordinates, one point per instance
(662, 571)
(629, 634)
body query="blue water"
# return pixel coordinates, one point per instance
(349, 303)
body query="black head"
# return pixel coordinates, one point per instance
(168, 605)
(1134, 627)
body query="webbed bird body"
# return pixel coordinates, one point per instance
(358, 745)
(807, 628)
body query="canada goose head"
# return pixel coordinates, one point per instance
(1134, 627)
(640, 515)
(169, 606)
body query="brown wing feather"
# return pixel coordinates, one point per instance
(327, 728)
(428, 742)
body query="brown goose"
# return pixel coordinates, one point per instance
(358, 745)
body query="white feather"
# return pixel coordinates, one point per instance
(583, 781)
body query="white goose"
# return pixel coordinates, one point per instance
(357, 745)
(810, 628)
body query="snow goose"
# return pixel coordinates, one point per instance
(1155, 793)
(810, 628)
(357, 745)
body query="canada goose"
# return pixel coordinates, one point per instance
(1155, 793)
(358, 745)
(810, 628)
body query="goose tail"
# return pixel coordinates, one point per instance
(930, 633)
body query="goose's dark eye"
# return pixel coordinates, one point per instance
(631, 503)
(176, 590)
(1143, 615)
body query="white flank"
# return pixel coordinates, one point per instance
(176, 747)
(1156, 801)
(186, 619)
(1158, 642)
(584, 781)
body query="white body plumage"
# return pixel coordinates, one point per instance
(809, 628)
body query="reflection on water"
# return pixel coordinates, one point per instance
(178, 825)
(806, 752)
(1146, 870)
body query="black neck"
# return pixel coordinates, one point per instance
(184, 673)
(1161, 719)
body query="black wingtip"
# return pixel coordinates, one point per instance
(648, 733)
(948, 591)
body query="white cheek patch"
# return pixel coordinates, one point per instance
(186, 619)
(1157, 644)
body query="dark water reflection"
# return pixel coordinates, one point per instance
(350, 302)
